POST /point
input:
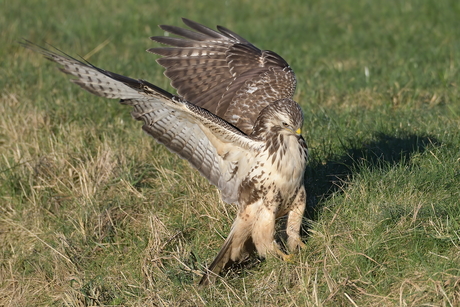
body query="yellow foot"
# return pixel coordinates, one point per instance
(289, 258)
(285, 257)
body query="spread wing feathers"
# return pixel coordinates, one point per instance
(221, 71)
(218, 150)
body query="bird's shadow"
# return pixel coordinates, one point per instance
(324, 178)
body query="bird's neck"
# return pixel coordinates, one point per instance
(287, 152)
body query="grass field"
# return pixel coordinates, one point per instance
(95, 213)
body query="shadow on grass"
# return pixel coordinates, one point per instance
(322, 179)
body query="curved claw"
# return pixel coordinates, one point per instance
(289, 258)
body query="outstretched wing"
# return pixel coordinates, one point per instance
(224, 73)
(218, 150)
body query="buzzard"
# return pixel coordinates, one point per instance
(233, 119)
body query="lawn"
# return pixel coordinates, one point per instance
(93, 212)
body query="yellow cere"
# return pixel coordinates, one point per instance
(299, 131)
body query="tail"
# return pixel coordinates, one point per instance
(220, 262)
(98, 81)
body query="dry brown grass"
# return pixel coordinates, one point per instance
(125, 222)
(94, 213)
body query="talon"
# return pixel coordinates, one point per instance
(280, 253)
(288, 258)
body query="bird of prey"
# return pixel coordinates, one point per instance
(233, 119)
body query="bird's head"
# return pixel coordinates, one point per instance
(283, 116)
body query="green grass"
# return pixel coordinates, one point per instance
(94, 212)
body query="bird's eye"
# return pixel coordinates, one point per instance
(285, 124)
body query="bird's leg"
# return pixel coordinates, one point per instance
(263, 231)
(294, 221)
